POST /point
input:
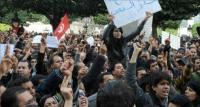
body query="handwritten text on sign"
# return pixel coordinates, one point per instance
(127, 11)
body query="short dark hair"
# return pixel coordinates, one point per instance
(112, 67)
(138, 69)
(9, 97)
(115, 94)
(158, 77)
(144, 81)
(36, 80)
(181, 100)
(18, 82)
(100, 78)
(29, 64)
(51, 60)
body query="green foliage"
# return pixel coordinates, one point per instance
(170, 30)
(170, 24)
(55, 9)
(4, 27)
(25, 16)
(101, 19)
(194, 31)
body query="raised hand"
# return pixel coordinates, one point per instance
(66, 88)
(67, 67)
(42, 45)
(137, 47)
(148, 15)
(110, 18)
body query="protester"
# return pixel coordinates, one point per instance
(116, 70)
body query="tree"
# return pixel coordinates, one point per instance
(55, 9)
(101, 19)
(175, 10)
(194, 29)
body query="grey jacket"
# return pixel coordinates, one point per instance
(142, 98)
(92, 100)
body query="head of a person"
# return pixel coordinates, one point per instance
(180, 52)
(67, 55)
(140, 72)
(160, 58)
(55, 62)
(117, 32)
(17, 97)
(181, 64)
(81, 69)
(61, 47)
(145, 82)
(145, 55)
(23, 68)
(17, 52)
(179, 101)
(197, 63)
(115, 93)
(15, 22)
(118, 70)
(193, 90)
(33, 62)
(153, 65)
(25, 83)
(48, 101)
(160, 84)
(193, 52)
(104, 78)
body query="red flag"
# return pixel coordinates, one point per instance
(62, 27)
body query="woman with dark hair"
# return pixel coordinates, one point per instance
(193, 92)
(116, 42)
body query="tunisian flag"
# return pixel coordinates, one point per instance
(62, 27)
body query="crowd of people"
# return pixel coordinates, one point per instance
(117, 71)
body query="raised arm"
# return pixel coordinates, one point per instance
(139, 29)
(107, 32)
(40, 66)
(131, 73)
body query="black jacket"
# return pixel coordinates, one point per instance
(117, 47)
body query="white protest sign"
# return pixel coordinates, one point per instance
(175, 41)
(3, 49)
(90, 41)
(165, 35)
(37, 39)
(127, 11)
(131, 27)
(52, 42)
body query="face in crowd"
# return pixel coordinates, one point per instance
(83, 70)
(193, 52)
(162, 89)
(50, 102)
(118, 71)
(197, 64)
(23, 69)
(154, 67)
(117, 33)
(191, 94)
(57, 62)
